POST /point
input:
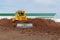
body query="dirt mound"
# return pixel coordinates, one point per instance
(6, 24)
(46, 25)
(39, 25)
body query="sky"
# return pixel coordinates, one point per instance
(31, 6)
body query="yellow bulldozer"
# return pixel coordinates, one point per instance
(20, 19)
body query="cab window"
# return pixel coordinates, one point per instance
(21, 14)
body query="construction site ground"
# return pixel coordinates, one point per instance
(43, 29)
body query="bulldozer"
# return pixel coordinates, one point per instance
(21, 20)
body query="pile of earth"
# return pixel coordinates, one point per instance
(39, 25)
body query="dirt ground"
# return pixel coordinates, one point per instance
(43, 29)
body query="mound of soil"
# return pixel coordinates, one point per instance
(39, 25)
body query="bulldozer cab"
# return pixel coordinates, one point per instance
(21, 13)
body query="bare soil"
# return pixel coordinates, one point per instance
(43, 29)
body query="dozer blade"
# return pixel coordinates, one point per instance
(24, 25)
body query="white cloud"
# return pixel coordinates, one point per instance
(46, 2)
(9, 2)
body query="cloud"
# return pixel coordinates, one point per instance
(44, 2)
(10, 2)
